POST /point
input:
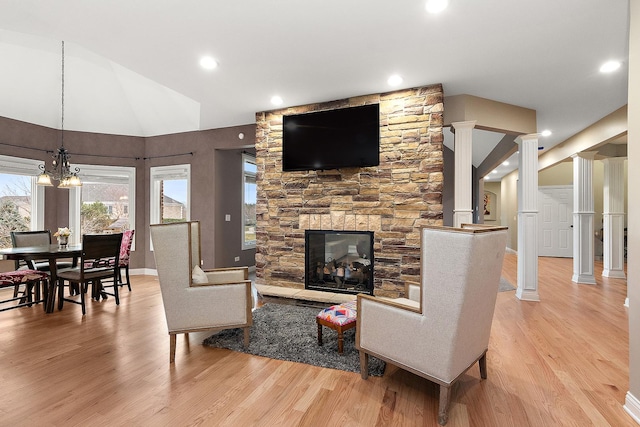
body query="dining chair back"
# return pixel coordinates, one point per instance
(99, 261)
(125, 255)
(22, 239)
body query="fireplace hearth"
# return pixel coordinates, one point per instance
(339, 261)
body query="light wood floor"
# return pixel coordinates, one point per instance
(563, 361)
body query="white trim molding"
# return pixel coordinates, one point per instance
(632, 407)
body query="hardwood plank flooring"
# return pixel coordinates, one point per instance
(560, 362)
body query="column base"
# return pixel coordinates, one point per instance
(617, 274)
(527, 295)
(584, 279)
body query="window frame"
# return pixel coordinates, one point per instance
(11, 165)
(247, 158)
(162, 173)
(75, 196)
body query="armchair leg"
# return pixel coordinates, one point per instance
(482, 362)
(443, 407)
(364, 365)
(246, 337)
(172, 348)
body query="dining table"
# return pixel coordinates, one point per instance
(52, 253)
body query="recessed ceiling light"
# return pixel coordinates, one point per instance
(395, 80)
(436, 6)
(506, 163)
(208, 63)
(276, 100)
(545, 132)
(610, 66)
(494, 171)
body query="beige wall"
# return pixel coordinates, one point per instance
(495, 188)
(509, 207)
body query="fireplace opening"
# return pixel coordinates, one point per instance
(339, 261)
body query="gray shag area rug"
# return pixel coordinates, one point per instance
(505, 285)
(290, 332)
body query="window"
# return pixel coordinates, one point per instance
(170, 194)
(249, 197)
(21, 200)
(102, 205)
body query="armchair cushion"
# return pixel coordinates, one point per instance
(198, 277)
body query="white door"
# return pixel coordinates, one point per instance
(555, 221)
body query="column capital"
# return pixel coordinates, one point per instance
(614, 159)
(528, 137)
(470, 124)
(588, 155)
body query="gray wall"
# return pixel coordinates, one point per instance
(228, 244)
(198, 148)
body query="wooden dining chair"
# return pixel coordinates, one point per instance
(22, 239)
(98, 262)
(125, 255)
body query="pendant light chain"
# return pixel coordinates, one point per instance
(62, 121)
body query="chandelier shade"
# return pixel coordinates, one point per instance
(60, 169)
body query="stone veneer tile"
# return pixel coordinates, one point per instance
(304, 222)
(337, 220)
(325, 222)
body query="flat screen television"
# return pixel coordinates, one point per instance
(333, 139)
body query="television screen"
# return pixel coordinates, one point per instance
(334, 139)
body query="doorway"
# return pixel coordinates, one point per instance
(555, 204)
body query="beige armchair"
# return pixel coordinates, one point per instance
(220, 301)
(443, 328)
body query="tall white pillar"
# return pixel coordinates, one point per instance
(613, 218)
(463, 152)
(528, 218)
(583, 215)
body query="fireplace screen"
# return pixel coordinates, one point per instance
(339, 261)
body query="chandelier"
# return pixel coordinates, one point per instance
(60, 170)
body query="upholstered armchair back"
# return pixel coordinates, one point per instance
(460, 275)
(444, 326)
(192, 307)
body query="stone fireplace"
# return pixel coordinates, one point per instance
(339, 261)
(393, 200)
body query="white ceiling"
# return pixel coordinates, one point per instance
(132, 66)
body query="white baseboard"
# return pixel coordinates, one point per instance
(153, 272)
(143, 271)
(632, 406)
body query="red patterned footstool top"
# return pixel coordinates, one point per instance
(340, 314)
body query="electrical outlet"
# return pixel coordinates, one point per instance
(227, 217)
(236, 259)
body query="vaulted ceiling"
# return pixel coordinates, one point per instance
(132, 67)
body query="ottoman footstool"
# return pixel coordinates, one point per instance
(340, 318)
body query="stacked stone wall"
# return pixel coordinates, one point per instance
(394, 199)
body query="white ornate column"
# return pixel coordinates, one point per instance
(463, 151)
(583, 214)
(613, 218)
(528, 218)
